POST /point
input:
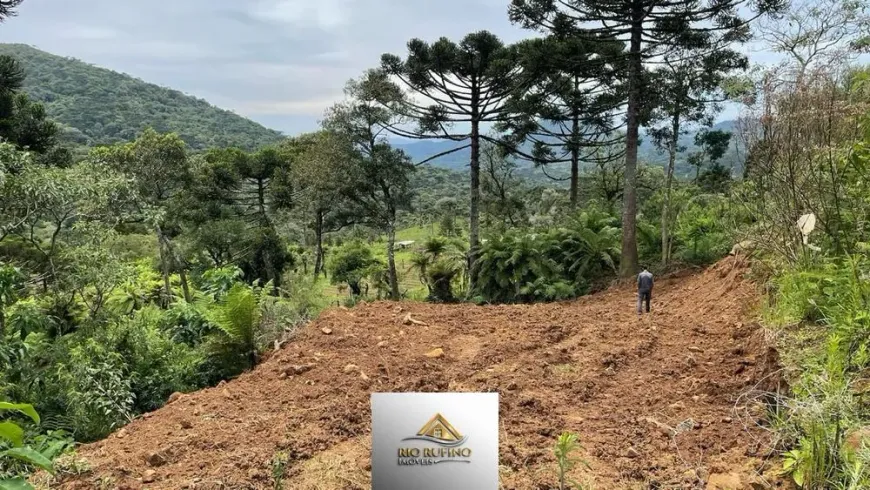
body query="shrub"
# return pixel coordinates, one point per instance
(27, 316)
(702, 230)
(218, 281)
(550, 266)
(351, 264)
(566, 445)
(184, 323)
(142, 287)
(440, 276)
(98, 390)
(823, 409)
(156, 364)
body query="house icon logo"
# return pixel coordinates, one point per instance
(444, 444)
(440, 431)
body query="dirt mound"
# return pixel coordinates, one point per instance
(653, 399)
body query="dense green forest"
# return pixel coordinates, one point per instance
(98, 106)
(153, 244)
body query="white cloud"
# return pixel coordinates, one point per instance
(326, 14)
(310, 107)
(89, 33)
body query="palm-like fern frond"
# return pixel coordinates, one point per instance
(238, 318)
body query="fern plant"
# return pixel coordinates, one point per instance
(516, 268)
(238, 319)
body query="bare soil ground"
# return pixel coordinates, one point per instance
(655, 400)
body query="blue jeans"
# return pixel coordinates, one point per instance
(643, 296)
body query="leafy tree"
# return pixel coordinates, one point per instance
(448, 208)
(23, 122)
(503, 194)
(351, 264)
(11, 280)
(713, 146)
(716, 178)
(690, 88)
(93, 270)
(160, 169)
(320, 166)
(468, 84)
(651, 29)
(40, 205)
(813, 33)
(377, 184)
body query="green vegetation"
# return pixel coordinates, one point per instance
(152, 244)
(820, 296)
(566, 445)
(16, 456)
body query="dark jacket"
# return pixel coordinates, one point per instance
(644, 282)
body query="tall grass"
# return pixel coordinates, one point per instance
(820, 309)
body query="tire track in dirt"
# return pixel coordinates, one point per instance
(590, 366)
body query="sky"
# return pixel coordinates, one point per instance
(278, 62)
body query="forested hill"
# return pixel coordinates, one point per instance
(100, 106)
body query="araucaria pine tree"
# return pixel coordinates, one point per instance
(567, 115)
(651, 29)
(454, 88)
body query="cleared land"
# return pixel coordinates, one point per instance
(656, 400)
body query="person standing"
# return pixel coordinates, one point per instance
(644, 290)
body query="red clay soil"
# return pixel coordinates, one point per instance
(655, 400)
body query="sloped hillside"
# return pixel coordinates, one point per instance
(655, 400)
(99, 106)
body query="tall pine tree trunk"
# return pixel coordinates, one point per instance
(391, 261)
(174, 262)
(474, 219)
(628, 262)
(575, 160)
(666, 207)
(164, 265)
(185, 288)
(318, 238)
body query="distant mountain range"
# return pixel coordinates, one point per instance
(100, 106)
(420, 150)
